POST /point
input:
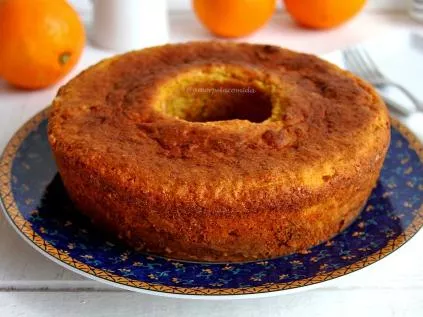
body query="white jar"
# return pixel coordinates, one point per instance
(124, 25)
(415, 9)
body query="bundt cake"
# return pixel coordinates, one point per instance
(213, 151)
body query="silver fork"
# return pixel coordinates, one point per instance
(359, 62)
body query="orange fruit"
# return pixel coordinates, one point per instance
(40, 41)
(322, 14)
(233, 18)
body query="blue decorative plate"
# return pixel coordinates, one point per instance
(35, 202)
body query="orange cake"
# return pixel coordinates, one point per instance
(219, 151)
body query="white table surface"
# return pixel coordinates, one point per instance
(31, 285)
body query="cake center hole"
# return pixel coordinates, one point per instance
(218, 100)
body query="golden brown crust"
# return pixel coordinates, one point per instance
(222, 190)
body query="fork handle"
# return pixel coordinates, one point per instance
(417, 104)
(392, 104)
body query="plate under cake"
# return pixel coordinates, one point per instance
(36, 204)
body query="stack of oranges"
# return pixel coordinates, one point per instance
(40, 41)
(234, 18)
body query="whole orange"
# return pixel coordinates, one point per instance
(322, 14)
(233, 18)
(40, 41)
